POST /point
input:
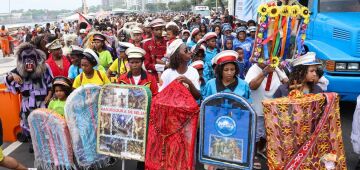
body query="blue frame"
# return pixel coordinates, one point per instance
(248, 163)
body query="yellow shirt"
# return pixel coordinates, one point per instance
(105, 58)
(93, 80)
(124, 68)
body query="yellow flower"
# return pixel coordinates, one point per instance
(262, 18)
(260, 60)
(303, 36)
(306, 20)
(262, 10)
(273, 11)
(285, 10)
(305, 13)
(274, 62)
(295, 10)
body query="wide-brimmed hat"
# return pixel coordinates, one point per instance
(54, 45)
(307, 59)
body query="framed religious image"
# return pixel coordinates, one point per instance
(123, 114)
(227, 131)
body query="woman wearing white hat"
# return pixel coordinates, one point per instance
(226, 80)
(89, 75)
(179, 70)
(302, 77)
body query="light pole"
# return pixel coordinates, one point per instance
(9, 12)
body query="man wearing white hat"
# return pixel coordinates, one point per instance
(136, 37)
(156, 47)
(136, 75)
(120, 65)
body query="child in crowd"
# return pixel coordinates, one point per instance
(228, 44)
(243, 65)
(185, 34)
(61, 88)
(89, 75)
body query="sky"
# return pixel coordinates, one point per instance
(43, 4)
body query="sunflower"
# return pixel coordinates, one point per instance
(273, 11)
(303, 36)
(305, 13)
(260, 35)
(285, 10)
(262, 10)
(295, 10)
(274, 62)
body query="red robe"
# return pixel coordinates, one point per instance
(172, 129)
(55, 69)
(146, 79)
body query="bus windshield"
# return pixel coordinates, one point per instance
(339, 6)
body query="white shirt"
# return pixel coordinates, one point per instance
(170, 75)
(260, 94)
(137, 79)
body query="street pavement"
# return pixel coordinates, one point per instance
(347, 110)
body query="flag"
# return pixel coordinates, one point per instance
(82, 18)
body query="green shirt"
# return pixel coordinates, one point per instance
(57, 106)
(105, 59)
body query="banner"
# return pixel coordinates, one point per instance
(51, 140)
(81, 114)
(123, 115)
(227, 131)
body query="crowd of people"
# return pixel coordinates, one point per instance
(207, 55)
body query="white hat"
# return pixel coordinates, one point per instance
(90, 54)
(209, 36)
(173, 47)
(252, 28)
(125, 45)
(54, 45)
(157, 23)
(135, 52)
(184, 31)
(307, 59)
(197, 64)
(194, 31)
(171, 24)
(136, 30)
(225, 57)
(82, 31)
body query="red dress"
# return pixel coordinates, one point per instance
(146, 79)
(172, 129)
(55, 69)
(154, 50)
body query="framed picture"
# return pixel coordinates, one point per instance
(123, 114)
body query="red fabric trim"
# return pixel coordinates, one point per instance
(226, 58)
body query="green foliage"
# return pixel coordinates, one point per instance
(183, 5)
(155, 7)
